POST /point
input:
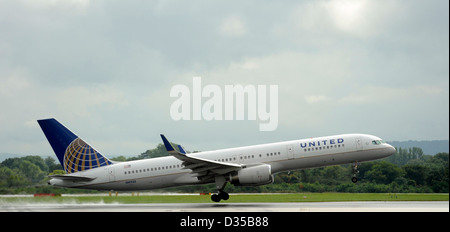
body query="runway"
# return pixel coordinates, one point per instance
(366, 206)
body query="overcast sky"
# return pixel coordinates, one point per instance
(105, 69)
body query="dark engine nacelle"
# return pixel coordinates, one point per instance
(252, 176)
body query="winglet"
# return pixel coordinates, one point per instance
(169, 146)
(181, 149)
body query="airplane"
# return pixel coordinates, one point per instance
(253, 165)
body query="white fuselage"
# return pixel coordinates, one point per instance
(282, 156)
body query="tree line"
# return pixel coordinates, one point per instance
(407, 171)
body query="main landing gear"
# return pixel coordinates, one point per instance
(220, 185)
(220, 196)
(355, 171)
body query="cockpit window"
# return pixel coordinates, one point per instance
(378, 142)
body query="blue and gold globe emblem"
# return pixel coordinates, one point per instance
(79, 156)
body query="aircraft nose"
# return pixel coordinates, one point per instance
(391, 149)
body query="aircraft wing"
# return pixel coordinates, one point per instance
(202, 168)
(73, 178)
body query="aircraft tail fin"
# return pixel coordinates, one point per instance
(73, 153)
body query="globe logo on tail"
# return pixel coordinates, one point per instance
(79, 156)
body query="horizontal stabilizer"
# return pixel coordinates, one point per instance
(73, 178)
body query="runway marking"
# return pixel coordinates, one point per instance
(374, 206)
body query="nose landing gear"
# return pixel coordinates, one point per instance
(355, 171)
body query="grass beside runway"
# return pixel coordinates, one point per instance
(234, 198)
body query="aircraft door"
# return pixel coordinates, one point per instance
(359, 144)
(290, 151)
(111, 174)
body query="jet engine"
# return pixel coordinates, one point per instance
(252, 176)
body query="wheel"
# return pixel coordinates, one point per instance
(354, 179)
(224, 196)
(215, 198)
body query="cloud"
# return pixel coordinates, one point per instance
(347, 13)
(83, 101)
(14, 81)
(233, 27)
(79, 5)
(375, 95)
(315, 99)
(359, 18)
(105, 68)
